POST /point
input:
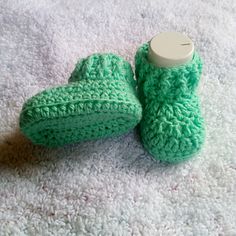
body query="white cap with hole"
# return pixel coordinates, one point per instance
(170, 49)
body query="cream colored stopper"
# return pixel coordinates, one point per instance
(170, 49)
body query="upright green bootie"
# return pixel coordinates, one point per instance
(100, 101)
(172, 127)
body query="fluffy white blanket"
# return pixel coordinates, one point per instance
(113, 187)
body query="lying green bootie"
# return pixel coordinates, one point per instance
(99, 101)
(172, 127)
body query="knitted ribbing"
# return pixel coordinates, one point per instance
(100, 101)
(103, 67)
(172, 127)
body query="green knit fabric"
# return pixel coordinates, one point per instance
(99, 101)
(172, 127)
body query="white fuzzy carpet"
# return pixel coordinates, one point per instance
(113, 187)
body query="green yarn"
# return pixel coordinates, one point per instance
(99, 101)
(172, 128)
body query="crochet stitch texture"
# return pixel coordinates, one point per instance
(99, 101)
(172, 127)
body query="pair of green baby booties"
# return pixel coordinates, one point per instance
(102, 99)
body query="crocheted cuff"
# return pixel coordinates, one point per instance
(101, 102)
(166, 84)
(101, 67)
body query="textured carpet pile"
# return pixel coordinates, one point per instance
(112, 186)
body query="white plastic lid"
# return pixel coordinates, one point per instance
(170, 49)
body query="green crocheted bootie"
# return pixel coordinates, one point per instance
(172, 127)
(99, 101)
